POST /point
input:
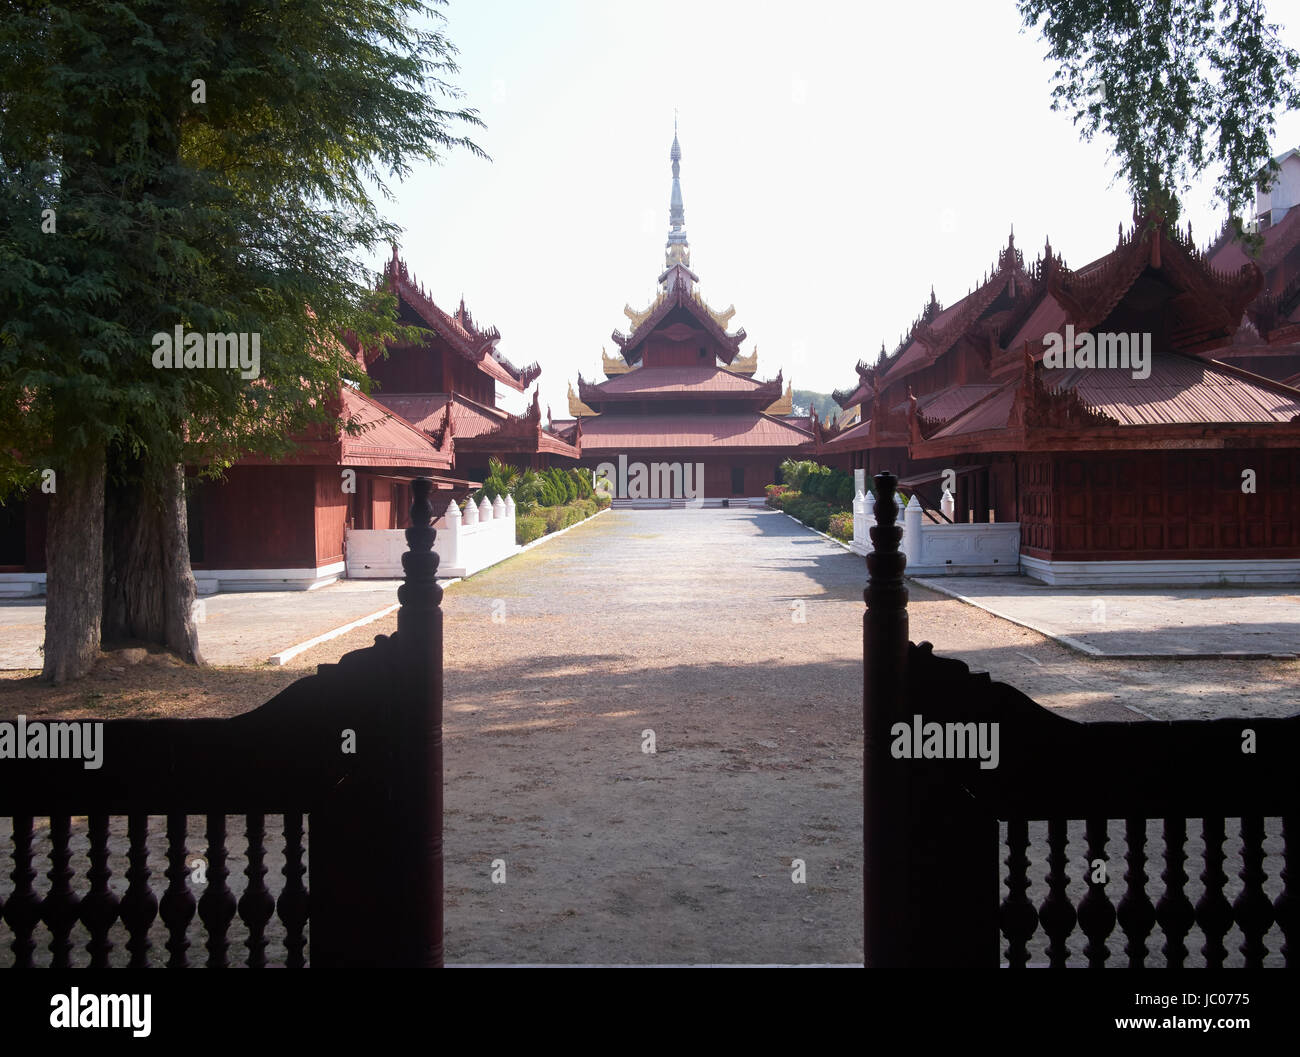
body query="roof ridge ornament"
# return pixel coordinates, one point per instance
(677, 250)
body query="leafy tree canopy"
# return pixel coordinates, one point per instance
(209, 165)
(1177, 85)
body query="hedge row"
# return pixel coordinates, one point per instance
(554, 518)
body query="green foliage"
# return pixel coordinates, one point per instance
(1175, 88)
(841, 526)
(528, 529)
(825, 404)
(245, 213)
(833, 487)
(793, 472)
(502, 480)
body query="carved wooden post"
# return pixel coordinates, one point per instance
(419, 745)
(376, 840)
(884, 790)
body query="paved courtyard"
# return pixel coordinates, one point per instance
(234, 629)
(1257, 622)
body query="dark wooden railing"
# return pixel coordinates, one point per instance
(359, 832)
(938, 831)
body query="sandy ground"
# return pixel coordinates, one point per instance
(735, 638)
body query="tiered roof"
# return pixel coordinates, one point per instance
(1005, 399)
(475, 344)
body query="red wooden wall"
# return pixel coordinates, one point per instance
(1160, 505)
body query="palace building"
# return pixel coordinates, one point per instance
(433, 413)
(1182, 466)
(681, 393)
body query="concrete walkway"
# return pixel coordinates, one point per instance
(1142, 622)
(242, 629)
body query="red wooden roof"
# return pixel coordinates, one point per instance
(388, 440)
(851, 439)
(662, 381)
(1229, 255)
(993, 412)
(1181, 391)
(459, 330)
(610, 433)
(477, 427)
(424, 410)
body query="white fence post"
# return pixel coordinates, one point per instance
(451, 553)
(912, 530)
(471, 514)
(948, 505)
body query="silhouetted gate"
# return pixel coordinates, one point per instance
(935, 829)
(349, 761)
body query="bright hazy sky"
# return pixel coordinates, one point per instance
(837, 159)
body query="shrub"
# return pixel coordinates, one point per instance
(528, 529)
(844, 491)
(774, 492)
(602, 501)
(794, 472)
(841, 526)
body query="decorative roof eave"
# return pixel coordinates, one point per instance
(1008, 272)
(576, 407)
(475, 344)
(865, 388)
(678, 296)
(613, 365)
(747, 365)
(1091, 296)
(785, 405)
(939, 341)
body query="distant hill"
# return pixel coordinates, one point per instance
(823, 402)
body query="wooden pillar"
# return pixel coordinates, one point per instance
(418, 795)
(884, 787)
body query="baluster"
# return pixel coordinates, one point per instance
(60, 910)
(1174, 910)
(256, 905)
(1284, 910)
(292, 906)
(1057, 913)
(1252, 910)
(23, 910)
(177, 906)
(139, 905)
(1213, 913)
(1096, 914)
(1019, 918)
(99, 908)
(217, 904)
(1136, 915)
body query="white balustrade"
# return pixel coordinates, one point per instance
(483, 535)
(972, 549)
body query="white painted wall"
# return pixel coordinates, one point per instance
(483, 536)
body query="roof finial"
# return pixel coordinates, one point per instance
(678, 250)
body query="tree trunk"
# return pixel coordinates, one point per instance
(74, 571)
(149, 588)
